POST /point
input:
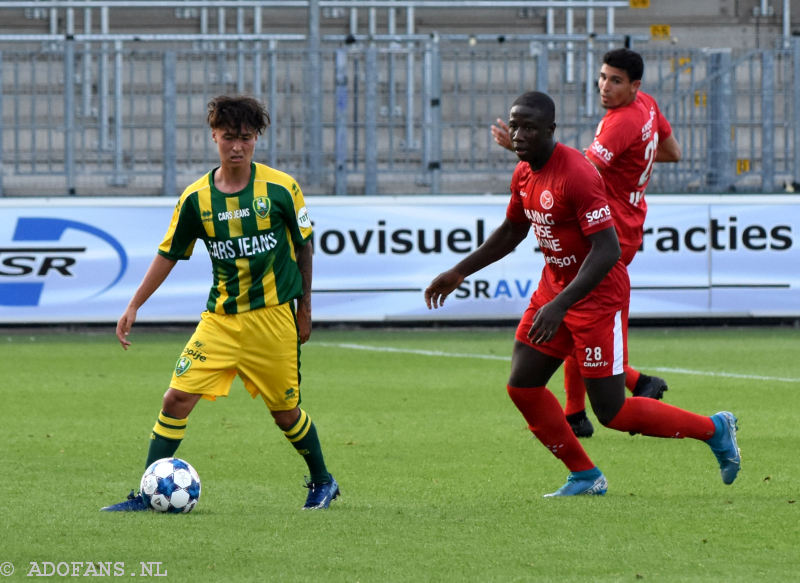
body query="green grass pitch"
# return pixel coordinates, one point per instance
(440, 479)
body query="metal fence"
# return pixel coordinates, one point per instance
(390, 114)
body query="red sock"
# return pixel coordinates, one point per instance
(546, 420)
(659, 419)
(574, 387)
(631, 377)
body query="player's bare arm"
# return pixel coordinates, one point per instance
(158, 271)
(304, 254)
(499, 244)
(669, 150)
(604, 253)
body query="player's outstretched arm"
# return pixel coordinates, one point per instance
(156, 274)
(500, 243)
(441, 287)
(669, 150)
(501, 135)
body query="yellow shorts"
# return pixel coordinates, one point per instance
(261, 346)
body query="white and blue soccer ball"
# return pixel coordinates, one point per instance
(170, 485)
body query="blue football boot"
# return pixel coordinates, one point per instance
(320, 495)
(723, 444)
(134, 503)
(578, 485)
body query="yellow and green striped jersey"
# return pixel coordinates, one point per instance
(250, 237)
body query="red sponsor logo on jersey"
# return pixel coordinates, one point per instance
(546, 199)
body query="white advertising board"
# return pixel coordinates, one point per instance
(80, 260)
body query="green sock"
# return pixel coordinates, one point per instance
(303, 436)
(167, 435)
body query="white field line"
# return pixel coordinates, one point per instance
(730, 375)
(439, 353)
(414, 351)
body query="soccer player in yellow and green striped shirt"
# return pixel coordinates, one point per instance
(255, 225)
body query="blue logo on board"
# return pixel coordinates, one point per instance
(36, 256)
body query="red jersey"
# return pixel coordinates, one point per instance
(564, 202)
(624, 148)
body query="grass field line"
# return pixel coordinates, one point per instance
(730, 375)
(417, 351)
(413, 351)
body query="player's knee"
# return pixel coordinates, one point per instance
(607, 396)
(178, 404)
(605, 412)
(286, 419)
(605, 409)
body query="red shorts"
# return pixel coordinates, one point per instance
(597, 340)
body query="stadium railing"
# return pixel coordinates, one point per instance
(371, 113)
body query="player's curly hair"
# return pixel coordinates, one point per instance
(629, 61)
(235, 112)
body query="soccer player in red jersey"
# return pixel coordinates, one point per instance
(579, 307)
(629, 139)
